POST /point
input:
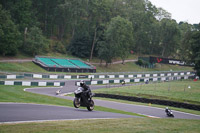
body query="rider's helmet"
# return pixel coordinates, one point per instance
(82, 83)
(166, 108)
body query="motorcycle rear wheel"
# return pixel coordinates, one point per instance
(91, 105)
(76, 102)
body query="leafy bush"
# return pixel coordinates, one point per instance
(143, 63)
(139, 62)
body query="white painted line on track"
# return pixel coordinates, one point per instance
(38, 121)
(152, 116)
(42, 88)
(63, 94)
(38, 104)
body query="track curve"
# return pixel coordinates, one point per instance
(19, 112)
(144, 110)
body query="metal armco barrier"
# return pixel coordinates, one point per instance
(32, 83)
(136, 80)
(100, 76)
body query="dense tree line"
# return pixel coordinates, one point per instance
(106, 29)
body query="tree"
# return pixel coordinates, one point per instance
(35, 43)
(145, 28)
(184, 50)
(67, 22)
(45, 11)
(195, 57)
(69, 15)
(120, 31)
(161, 14)
(105, 52)
(21, 12)
(169, 37)
(79, 46)
(98, 14)
(118, 38)
(9, 34)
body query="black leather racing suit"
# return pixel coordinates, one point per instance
(87, 90)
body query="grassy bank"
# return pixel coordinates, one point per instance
(16, 94)
(132, 67)
(174, 91)
(144, 125)
(128, 67)
(21, 67)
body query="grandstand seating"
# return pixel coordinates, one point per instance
(64, 63)
(79, 63)
(48, 62)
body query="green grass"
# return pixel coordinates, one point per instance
(17, 95)
(128, 67)
(21, 67)
(26, 67)
(174, 91)
(132, 67)
(131, 125)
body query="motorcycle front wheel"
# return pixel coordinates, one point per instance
(76, 102)
(91, 105)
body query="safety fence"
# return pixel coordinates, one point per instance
(32, 83)
(99, 76)
(136, 80)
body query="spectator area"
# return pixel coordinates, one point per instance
(64, 65)
(80, 64)
(48, 62)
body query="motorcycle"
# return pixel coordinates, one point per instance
(169, 113)
(58, 92)
(81, 99)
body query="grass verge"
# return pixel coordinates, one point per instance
(180, 91)
(20, 67)
(132, 67)
(144, 125)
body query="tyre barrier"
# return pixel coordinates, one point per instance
(152, 101)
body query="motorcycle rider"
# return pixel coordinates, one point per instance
(86, 88)
(169, 112)
(166, 109)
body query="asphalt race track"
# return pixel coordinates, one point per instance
(12, 112)
(19, 112)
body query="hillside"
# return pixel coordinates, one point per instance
(127, 67)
